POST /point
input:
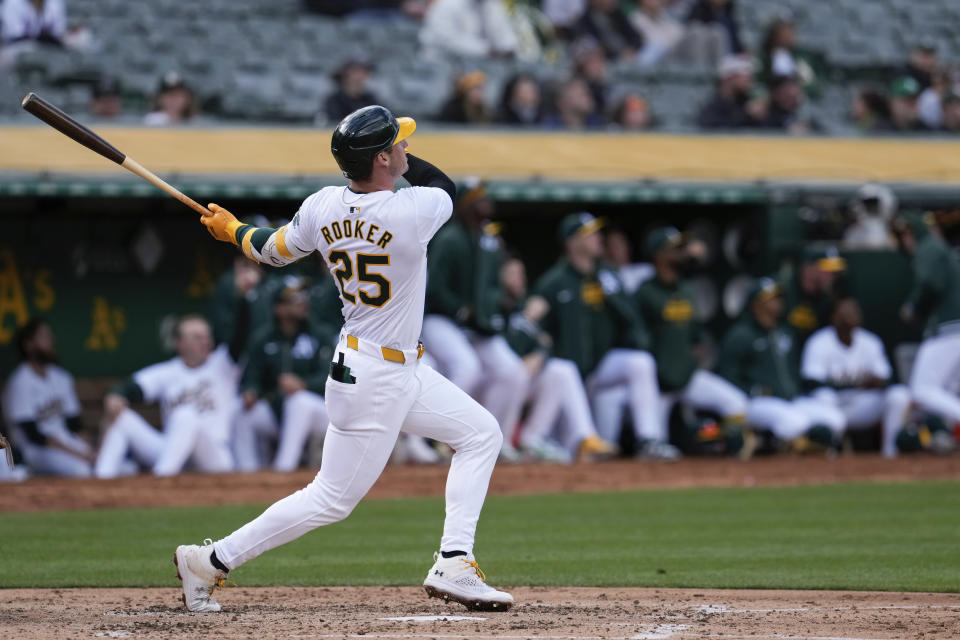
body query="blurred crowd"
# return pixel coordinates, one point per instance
(769, 87)
(604, 354)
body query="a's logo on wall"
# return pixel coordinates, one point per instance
(13, 297)
(107, 323)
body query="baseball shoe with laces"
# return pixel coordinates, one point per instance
(461, 580)
(199, 577)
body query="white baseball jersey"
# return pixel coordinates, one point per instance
(827, 359)
(375, 245)
(47, 400)
(207, 393)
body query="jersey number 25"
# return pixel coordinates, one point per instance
(345, 273)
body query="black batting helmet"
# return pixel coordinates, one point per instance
(362, 135)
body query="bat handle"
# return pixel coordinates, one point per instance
(135, 167)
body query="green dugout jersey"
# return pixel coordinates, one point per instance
(935, 294)
(804, 312)
(589, 314)
(306, 355)
(464, 274)
(759, 361)
(667, 311)
(225, 303)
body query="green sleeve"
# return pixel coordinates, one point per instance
(223, 309)
(130, 390)
(634, 328)
(325, 334)
(731, 361)
(929, 279)
(488, 295)
(253, 373)
(444, 276)
(546, 289)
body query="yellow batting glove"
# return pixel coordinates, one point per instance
(221, 224)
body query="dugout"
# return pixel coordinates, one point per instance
(111, 260)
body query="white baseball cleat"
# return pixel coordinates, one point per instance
(199, 577)
(461, 580)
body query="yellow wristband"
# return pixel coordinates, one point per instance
(231, 230)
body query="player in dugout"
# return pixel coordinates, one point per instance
(197, 393)
(41, 407)
(595, 324)
(283, 382)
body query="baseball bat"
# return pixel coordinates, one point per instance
(79, 133)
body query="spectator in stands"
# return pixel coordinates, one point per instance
(661, 32)
(719, 13)
(779, 56)
(106, 103)
(870, 110)
(606, 23)
(733, 106)
(563, 14)
(469, 28)
(38, 20)
(590, 63)
(522, 102)
(922, 64)
(174, 103)
(930, 100)
(575, 107)
(352, 92)
(951, 113)
(41, 407)
(468, 104)
(633, 114)
(903, 105)
(783, 112)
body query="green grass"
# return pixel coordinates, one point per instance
(848, 536)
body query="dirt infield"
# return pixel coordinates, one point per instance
(561, 613)
(406, 481)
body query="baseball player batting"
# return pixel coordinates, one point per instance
(374, 242)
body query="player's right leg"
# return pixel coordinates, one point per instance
(365, 419)
(444, 412)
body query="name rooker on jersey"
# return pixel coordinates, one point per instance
(359, 229)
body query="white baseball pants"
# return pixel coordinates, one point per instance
(254, 431)
(637, 371)
(183, 439)
(365, 420)
(55, 462)
(485, 367)
(304, 413)
(706, 391)
(558, 394)
(937, 366)
(864, 408)
(789, 419)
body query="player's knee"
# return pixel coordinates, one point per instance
(897, 394)
(641, 364)
(489, 435)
